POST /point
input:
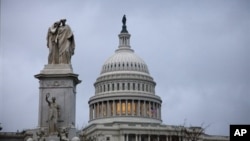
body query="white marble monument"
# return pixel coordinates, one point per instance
(57, 90)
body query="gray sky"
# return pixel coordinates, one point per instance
(197, 52)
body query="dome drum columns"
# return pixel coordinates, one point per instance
(117, 108)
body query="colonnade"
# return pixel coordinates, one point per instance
(117, 66)
(120, 86)
(125, 107)
(146, 137)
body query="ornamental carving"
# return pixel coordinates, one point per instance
(56, 83)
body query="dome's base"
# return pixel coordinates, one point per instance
(131, 119)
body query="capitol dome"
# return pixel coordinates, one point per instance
(124, 90)
(124, 59)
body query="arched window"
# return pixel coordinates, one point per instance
(128, 86)
(113, 86)
(108, 87)
(123, 86)
(118, 86)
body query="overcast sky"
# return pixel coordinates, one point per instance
(197, 51)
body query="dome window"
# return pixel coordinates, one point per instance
(118, 86)
(123, 86)
(133, 86)
(113, 86)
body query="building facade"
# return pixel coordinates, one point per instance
(125, 106)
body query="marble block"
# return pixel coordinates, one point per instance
(52, 138)
(58, 81)
(57, 69)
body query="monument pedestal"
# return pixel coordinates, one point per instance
(59, 81)
(52, 138)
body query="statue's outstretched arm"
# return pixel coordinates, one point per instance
(47, 100)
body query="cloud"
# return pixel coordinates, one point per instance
(197, 52)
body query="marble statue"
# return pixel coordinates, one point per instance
(64, 135)
(53, 114)
(52, 44)
(61, 43)
(41, 135)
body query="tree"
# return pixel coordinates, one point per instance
(191, 133)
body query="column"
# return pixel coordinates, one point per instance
(166, 138)
(158, 139)
(89, 113)
(153, 108)
(120, 86)
(114, 108)
(144, 108)
(126, 107)
(97, 109)
(149, 109)
(160, 111)
(126, 137)
(133, 107)
(136, 137)
(102, 111)
(120, 107)
(138, 108)
(148, 137)
(94, 116)
(122, 137)
(108, 108)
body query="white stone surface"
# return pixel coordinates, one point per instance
(57, 69)
(60, 82)
(53, 138)
(75, 139)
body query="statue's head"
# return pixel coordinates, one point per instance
(56, 24)
(63, 21)
(53, 99)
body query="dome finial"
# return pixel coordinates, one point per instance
(124, 27)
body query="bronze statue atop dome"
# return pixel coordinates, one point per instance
(124, 20)
(124, 27)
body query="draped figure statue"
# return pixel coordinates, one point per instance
(53, 114)
(52, 43)
(61, 43)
